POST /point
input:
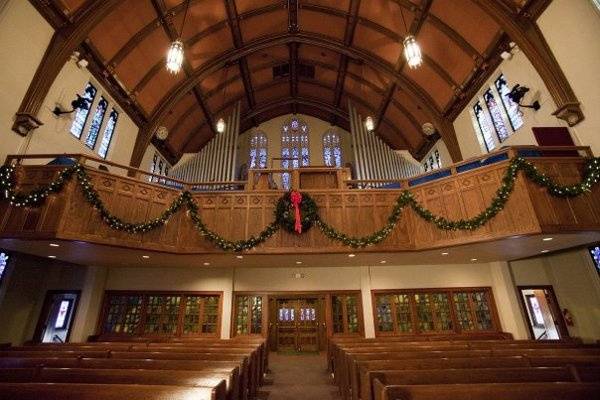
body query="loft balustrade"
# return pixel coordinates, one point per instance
(239, 209)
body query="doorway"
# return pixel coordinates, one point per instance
(295, 323)
(56, 318)
(543, 313)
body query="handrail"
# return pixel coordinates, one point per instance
(155, 178)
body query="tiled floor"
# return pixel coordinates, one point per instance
(298, 377)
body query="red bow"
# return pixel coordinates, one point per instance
(296, 198)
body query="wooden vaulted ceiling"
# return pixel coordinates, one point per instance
(354, 46)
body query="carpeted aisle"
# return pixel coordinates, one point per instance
(298, 377)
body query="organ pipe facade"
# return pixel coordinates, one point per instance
(216, 161)
(374, 159)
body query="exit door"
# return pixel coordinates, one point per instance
(297, 322)
(543, 313)
(56, 318)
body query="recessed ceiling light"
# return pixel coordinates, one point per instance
(298, 262)
(206, 263)
(473, 259)
(239, 257)
(382, 262)
(51, 256)
(54, 245)
(547, 239)
(544, 251)
(146, 257)
(351, 255)
(445, 253)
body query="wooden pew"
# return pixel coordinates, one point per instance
(220, 367)
(249, 374)
(487, 391)
(353, 389)
(78, 391)
(119, 376)
(481, 375)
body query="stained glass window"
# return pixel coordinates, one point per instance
(109, 130)
(258, 151)
(432, 312)
(332, 150)
(169, 314)
(81, 115)
(345, 314)
(433, 161)
(294, 147)
(496, 114)
(595, 253)
(484, 126)
(248, 314)
(515, 116)
(3, 263)
(92, 136)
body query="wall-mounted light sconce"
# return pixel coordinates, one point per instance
(518, 92)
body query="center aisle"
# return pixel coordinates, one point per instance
(298, 377)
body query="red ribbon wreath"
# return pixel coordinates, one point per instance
(296, 198)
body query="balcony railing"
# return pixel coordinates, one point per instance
(240, 209)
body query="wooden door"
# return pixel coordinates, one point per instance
(297, 324)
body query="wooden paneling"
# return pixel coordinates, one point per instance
(240, 214)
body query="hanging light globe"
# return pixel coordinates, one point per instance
(412, 52)
(370, 124)
(221, 125)
(175, 57)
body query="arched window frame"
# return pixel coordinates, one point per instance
(332, 149)
(258, 150)
(295, 143)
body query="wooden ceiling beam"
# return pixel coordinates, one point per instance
(166, 22)
(340, 81)
(64, 41)
(238, 42)
(230, 56)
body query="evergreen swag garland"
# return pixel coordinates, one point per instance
(283, 212)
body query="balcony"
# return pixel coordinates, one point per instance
(238, 210)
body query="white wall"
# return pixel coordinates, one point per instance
(576, 284)
(272, 129)
(572, 29)
(24, 36)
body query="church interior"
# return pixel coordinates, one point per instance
(299, 199)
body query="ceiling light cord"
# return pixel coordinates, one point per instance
(185, 13)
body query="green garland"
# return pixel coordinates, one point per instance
(283, 215)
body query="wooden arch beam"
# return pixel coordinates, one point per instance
(524, 31)
(145, 134)
(64, 41)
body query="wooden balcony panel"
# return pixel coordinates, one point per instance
(240, 214)
(557, 214)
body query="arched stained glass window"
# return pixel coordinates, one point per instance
(81, 115)
(92, 136)
(258, 151)
(515, 116)
(109, 130)
(496, 114)
(484, 126)
(332, 149)
(295, 150)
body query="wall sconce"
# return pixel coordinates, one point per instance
(78, 104)
(518, 92)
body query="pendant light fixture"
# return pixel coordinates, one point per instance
(176, 54)
(220, 125)
(412, 51)
(370, 124)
